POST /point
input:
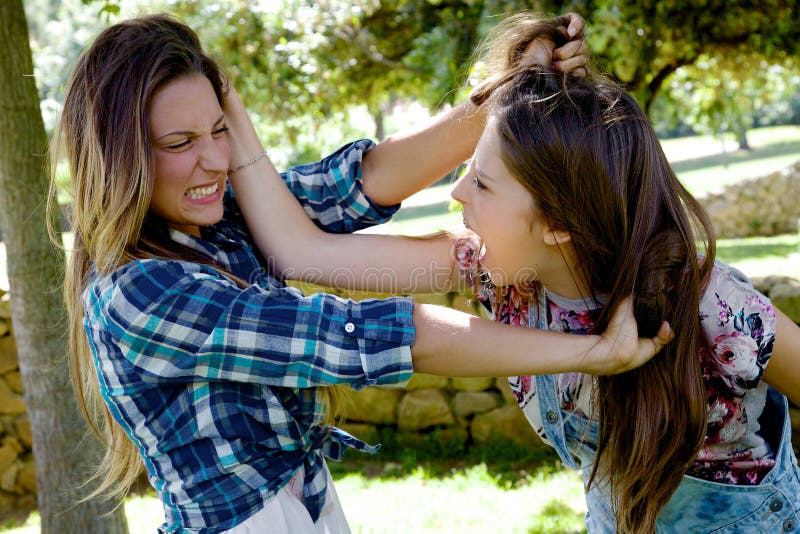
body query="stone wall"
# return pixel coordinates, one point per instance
(758, 207)
(17, 471)
(459, 411)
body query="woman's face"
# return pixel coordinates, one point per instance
(502, 212)
(191, 150)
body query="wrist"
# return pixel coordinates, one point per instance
(239, 167)
(242, 140)
(591, 354)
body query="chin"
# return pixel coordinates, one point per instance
(211, 217)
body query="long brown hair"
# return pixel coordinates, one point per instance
(590, 158)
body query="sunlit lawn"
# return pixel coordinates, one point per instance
(525, 492)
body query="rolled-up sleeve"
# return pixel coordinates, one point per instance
(331, 191)
(177, 321)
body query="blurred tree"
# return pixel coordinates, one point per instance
(644, 43)
(720, 94)
(62, 451)
(315, 59)
(294, 59)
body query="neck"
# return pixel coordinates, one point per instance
(567, 279)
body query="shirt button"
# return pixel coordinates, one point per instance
(552, 417)
(788, 525)
(349, 328)
(776, 505)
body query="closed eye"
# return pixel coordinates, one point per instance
(178, 145)
(480, 186)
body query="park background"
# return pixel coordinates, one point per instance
(719, 81)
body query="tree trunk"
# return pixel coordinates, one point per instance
(744, 144)
(61, 447)
(378, 117)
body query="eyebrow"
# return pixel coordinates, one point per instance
(189, 133)
(480, 172)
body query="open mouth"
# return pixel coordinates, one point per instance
(197, 193)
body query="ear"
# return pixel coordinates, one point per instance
(554, 237)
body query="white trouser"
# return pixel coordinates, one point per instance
(286, 513)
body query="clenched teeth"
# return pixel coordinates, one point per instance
(200, 192)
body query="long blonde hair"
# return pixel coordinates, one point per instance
(104, 134)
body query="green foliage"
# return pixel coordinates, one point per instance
(316, 74)
(297, 58)
(108, 8)
(721, 94)
(643, 43)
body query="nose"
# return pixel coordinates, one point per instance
(461, 188)
(215, 154)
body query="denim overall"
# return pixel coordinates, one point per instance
(697, 506)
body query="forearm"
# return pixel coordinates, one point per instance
(405, 163)
(301, 251)
(452, 343)
(265, 201)
(380, 263)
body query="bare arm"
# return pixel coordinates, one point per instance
(447, 342)
(302, 251)
(408, 162)
(452, 343)
(783, 371)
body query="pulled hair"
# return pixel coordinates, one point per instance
(587, 153)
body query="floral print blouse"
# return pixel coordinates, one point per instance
(738, 328)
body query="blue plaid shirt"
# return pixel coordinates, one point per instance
(215, 383)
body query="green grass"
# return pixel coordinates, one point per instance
(434, 488)
(144, 513)
(704, 167)
(468, 500)
(763, 256)
(497, 488)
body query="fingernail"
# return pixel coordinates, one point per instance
(572, 31)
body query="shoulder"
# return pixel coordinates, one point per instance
(731, 298)
(738, 325)
(161, 272)
(140, 283)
